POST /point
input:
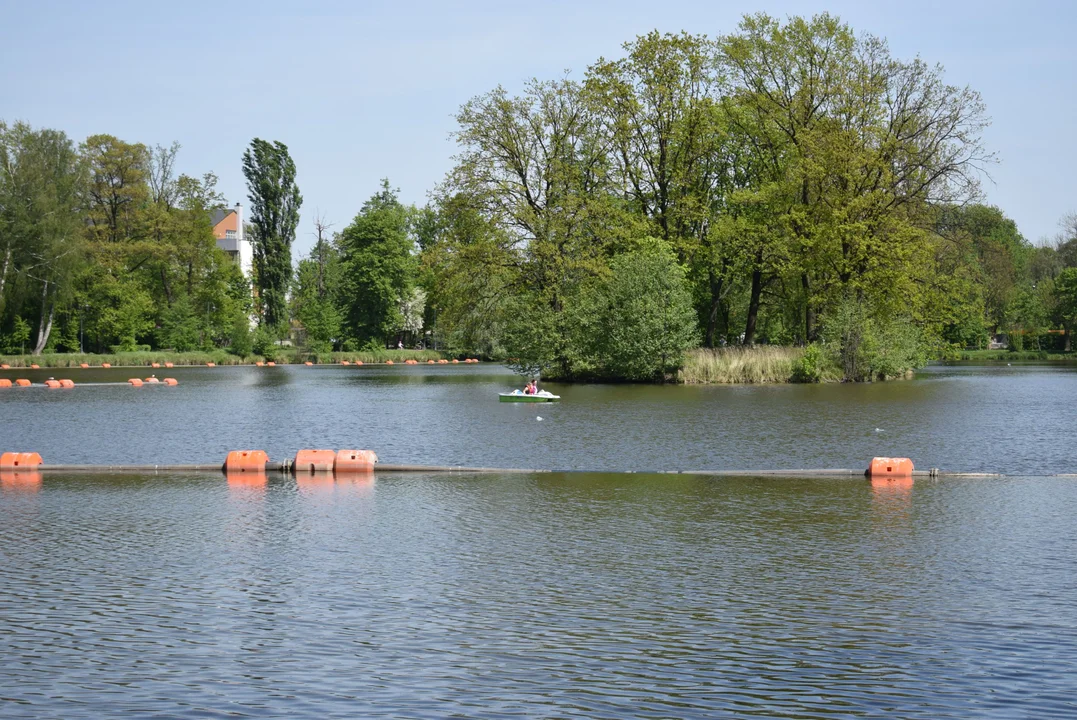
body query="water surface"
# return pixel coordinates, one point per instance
(590, 596)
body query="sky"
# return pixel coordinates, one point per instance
(359, 91)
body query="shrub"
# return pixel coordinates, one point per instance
(809, 367)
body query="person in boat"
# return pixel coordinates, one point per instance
(529, 389)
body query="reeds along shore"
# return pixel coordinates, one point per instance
(759, 364)
(219, 357)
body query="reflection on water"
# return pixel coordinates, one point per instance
(538, 596)
(983, 419)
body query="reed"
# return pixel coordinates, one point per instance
(747, 365)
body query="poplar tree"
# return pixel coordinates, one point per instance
(275, 202)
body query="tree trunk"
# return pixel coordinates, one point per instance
(716, 301)
(164, 284)
(753, 307)
(1067, 338)
(44, 327)
(3, 274)
(809, 312)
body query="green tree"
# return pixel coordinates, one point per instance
(379, 268)
(275, 202)
(1065, 291)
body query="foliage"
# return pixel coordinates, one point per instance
(275, 202)
(808, 368)
(379, 268)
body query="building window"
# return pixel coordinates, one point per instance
(230, 234)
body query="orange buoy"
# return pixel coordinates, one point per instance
(314, 461)
(14, 460)
(388, 362)
(168, 365)
(271, 364)
(53, 384)
(429, 362)
(246, 461)
(84, 365)
(170, 381)
(4, 366)
(345, 362)
(890, 467)
(106, 365)
(354, 461)
(67, 383)
(259, 364)
(151, 380)
(135, 382)
(443, 361)
(155, 364)
(455, 361)
(4, 382)
(35, 366)
(308, 363)
(211, 364)
(358, 362)
(22, 382)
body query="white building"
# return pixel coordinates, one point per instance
(228, 229)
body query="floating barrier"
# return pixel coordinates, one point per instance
(106, 365)
(35, 366)
(888, 467)
(308, 363)
(358, 362)
(156, 365)
(5, 383)
(347, 461)
(17, 460)
(388, 362)
(170, 381)
(314, 461)
(53, 384)
(271, 364)
(4, 366)
(211, 364)
(168, 365)
(345, 362)
(246, 461)
(22, 382)
(151, 380)
(84, 365)
(67, 383)
(259, 364)
(135, 382)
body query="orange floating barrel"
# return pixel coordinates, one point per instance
(354, 461)
(887, 467)
(358, 362)
(135, 382)
(170, 381)
(106, 365)
(67, 383)
(443, 361)
(155, 364)
(271, 364)
(53, 384)
(345, 362)
(308, 363)
(314, 461)
(4, 382)
(84, 365)
(211, 364)
(22, 382)
(14, 460)
(151, 380)
(168, 365)
(259, 364)
(388, 362)
(429, 362)
(4, 366)
(455, 361)
(246, 461)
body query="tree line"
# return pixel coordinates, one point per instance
(788, 183)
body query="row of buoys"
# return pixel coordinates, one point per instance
(306, 462)
(139, 382)
(50, 383)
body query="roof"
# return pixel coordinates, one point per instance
(218, 214)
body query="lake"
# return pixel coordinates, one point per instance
(1018, 419)
(565, 594)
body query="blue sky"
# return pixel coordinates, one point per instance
(361, 91)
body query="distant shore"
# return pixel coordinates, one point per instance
(286, 357)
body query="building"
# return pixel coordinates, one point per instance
(228, 229)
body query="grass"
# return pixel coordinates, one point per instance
(218, 357)
(759, 364)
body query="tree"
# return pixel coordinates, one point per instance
(1065, 290)
(317, 296)
(379, 267)
(275, 202)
